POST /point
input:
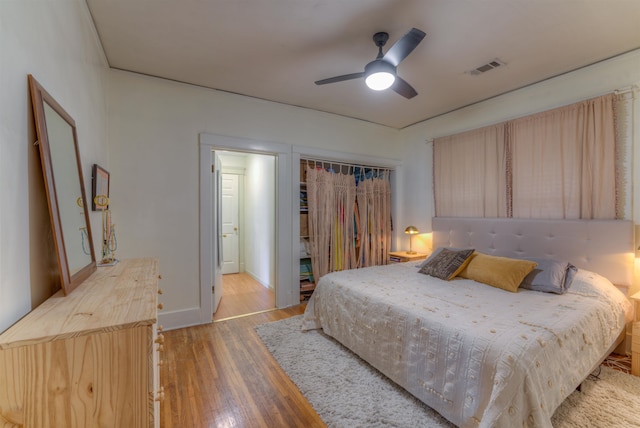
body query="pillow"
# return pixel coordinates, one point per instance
(499, 272)
(435, 253)
(550, 276)
(446, 263)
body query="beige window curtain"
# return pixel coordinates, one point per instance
(556, 164)
(470, 173)
(564, 162)
(349, 226)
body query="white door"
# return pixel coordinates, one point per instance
(216, 288)
(230, 236)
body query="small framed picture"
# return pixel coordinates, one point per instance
(100, 194)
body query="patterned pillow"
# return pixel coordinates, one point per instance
(447, 263)
(435, 254)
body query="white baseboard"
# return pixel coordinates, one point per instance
(258, 279)
(182, 318)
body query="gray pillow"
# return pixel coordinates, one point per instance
(435, 254)
(550, 276)
(447, 263)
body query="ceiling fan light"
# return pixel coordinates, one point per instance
(379, 75)
(380, 80)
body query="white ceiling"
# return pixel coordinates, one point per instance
(276, 49)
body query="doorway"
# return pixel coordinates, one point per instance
(286, 273)
(247, 222)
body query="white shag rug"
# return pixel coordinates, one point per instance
(348, 392)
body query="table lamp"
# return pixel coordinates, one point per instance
(411, 230)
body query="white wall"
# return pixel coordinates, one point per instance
(153, 147)
(587, 82)
(55, 41)
(260, 208)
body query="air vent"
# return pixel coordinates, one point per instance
(486, 67)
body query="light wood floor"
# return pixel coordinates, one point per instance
(221, 375)
(241, 294)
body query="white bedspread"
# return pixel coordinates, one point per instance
(480, 356)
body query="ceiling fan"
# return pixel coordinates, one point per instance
(381, 73)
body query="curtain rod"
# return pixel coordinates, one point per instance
(621, 91)
(348, 165)
(626, 90)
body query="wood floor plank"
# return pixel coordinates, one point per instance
(221, 375)
(241, 294)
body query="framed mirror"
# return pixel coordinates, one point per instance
(64, 184)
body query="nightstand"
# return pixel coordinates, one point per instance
(635, 336)
(404, 256)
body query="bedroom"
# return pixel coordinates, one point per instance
(121, 116)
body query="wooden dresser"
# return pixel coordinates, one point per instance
(89, 359)
(635, 336)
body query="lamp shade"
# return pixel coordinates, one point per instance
(411, 230)
(380, 75)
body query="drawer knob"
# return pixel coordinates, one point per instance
(160, 339)
(159, 276)
(159, 290)
(160, 328)
(160, 306)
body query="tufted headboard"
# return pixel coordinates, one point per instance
(602, 246)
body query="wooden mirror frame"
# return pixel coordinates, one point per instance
(69, 280)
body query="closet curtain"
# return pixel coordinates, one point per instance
(349, 220)
(374, 220)
(320, 193)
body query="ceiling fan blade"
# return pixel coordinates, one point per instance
(340, 78)
(403, 47)
(403, 88)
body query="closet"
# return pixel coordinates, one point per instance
(307, 283)
(345, 218)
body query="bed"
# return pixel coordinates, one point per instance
(479, 355)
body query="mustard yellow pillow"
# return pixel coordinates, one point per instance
(500, 272)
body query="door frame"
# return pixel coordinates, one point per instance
(285, 295)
